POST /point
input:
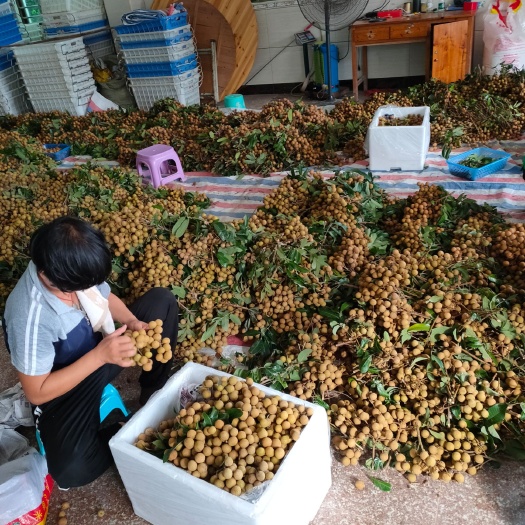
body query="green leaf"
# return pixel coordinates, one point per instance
(180, 227)
(303, 355)
(437, 331)
(419, 327)
(206, 420)
(234, 413)
(235, 319)
(179, 291)
(226, 232)
(380, 484)
(438, 435)
(496, 414)
(159, 444)
(210, 332)
(405, 336)
(456, 412)
(435, 299)
(365, 365)
(290, 115)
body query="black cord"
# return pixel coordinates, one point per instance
(270, 61)
(347, 49)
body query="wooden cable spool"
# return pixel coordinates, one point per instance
(232, 24)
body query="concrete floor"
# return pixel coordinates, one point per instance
(493, 497)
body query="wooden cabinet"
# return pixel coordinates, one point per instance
(448, 36)
(449, 51)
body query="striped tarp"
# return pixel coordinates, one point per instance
(235, 197)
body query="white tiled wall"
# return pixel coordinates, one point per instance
(279, 20)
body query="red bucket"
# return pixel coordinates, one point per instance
(470, 6)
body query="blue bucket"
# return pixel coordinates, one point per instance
(234, 101)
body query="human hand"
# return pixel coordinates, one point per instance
(116, 348)
(136, 325)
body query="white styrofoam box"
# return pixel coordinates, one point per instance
(159, 54)
(164, 494)
(5, 9)
(398, 147)
(56, 6)
(69, 68)
(51, 57)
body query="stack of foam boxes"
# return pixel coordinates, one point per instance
(57, 75)
(9, 30)
(72, 17)
(161, 59)
(13, 98)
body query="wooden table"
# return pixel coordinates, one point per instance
(448, 36)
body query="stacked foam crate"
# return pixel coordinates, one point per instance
(57, 75)
(13, 98)
(161, 59)
(9, 31)
(72, 17)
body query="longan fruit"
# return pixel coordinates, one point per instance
(359, 484)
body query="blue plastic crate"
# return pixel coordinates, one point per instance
(183, 37)
(81, 28)
(10, 35)
(500, 159)
(58, 155)
(160, 24)
(97, 38)
(7, 60)
(162, 69)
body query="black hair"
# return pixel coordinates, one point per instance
(71, 253)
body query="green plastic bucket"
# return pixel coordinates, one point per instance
(234, 101)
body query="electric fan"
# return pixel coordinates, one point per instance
(331, 15)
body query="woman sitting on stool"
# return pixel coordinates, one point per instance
(65, 357)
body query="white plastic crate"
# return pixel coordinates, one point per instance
(51, 57)
(67, 66)
(75, 105)
(159, 54)
(67, 75)
(59, 88)
(67, 18)
(162, 493)
(56, 6)
(15, 105)
(147, 91)
(152, 36)
(48, 50)
(398, 147)
(99, 45)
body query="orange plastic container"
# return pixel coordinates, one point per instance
(470, 6)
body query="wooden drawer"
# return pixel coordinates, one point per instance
(370, 34)
(409, 30)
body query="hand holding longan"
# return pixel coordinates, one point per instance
(149, 344)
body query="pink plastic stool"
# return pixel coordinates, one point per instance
(159, 164)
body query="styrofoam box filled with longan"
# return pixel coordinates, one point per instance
(398, 147)
(162, 493)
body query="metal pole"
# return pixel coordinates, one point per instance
(330, 97)
(215, 71)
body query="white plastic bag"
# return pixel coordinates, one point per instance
(22, 476)
(504, 36)
(15, 409)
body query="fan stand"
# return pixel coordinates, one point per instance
(330, 99)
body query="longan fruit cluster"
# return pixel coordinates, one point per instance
(408, 120)
(235, 453)
(150, 345)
